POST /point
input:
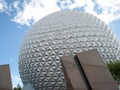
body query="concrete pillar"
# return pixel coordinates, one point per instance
(5, 78)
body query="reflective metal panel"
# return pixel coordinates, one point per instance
(58, 34)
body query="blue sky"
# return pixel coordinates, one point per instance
(17, 16)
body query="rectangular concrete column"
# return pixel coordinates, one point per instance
(72, 74)
(5, 78)
(96, 71)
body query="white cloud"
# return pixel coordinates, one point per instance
(3, 6)
(16, 80)
(71, 4)
(80, 2)
(30, 11)
(34, 10)
(89, 7)
(13, 62)
(16, 6)
(110, 10)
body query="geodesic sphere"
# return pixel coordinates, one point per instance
(62, 33)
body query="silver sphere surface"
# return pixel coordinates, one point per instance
(62, 33)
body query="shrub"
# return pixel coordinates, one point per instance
(114, 67)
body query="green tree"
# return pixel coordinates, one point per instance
(114, 67)
(17, 88)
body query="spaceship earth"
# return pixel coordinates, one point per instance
(62, 33)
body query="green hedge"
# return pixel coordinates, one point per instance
(114, 67)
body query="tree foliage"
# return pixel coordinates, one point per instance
(17, 88)
(114, 67)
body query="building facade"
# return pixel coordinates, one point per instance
(62, 33)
